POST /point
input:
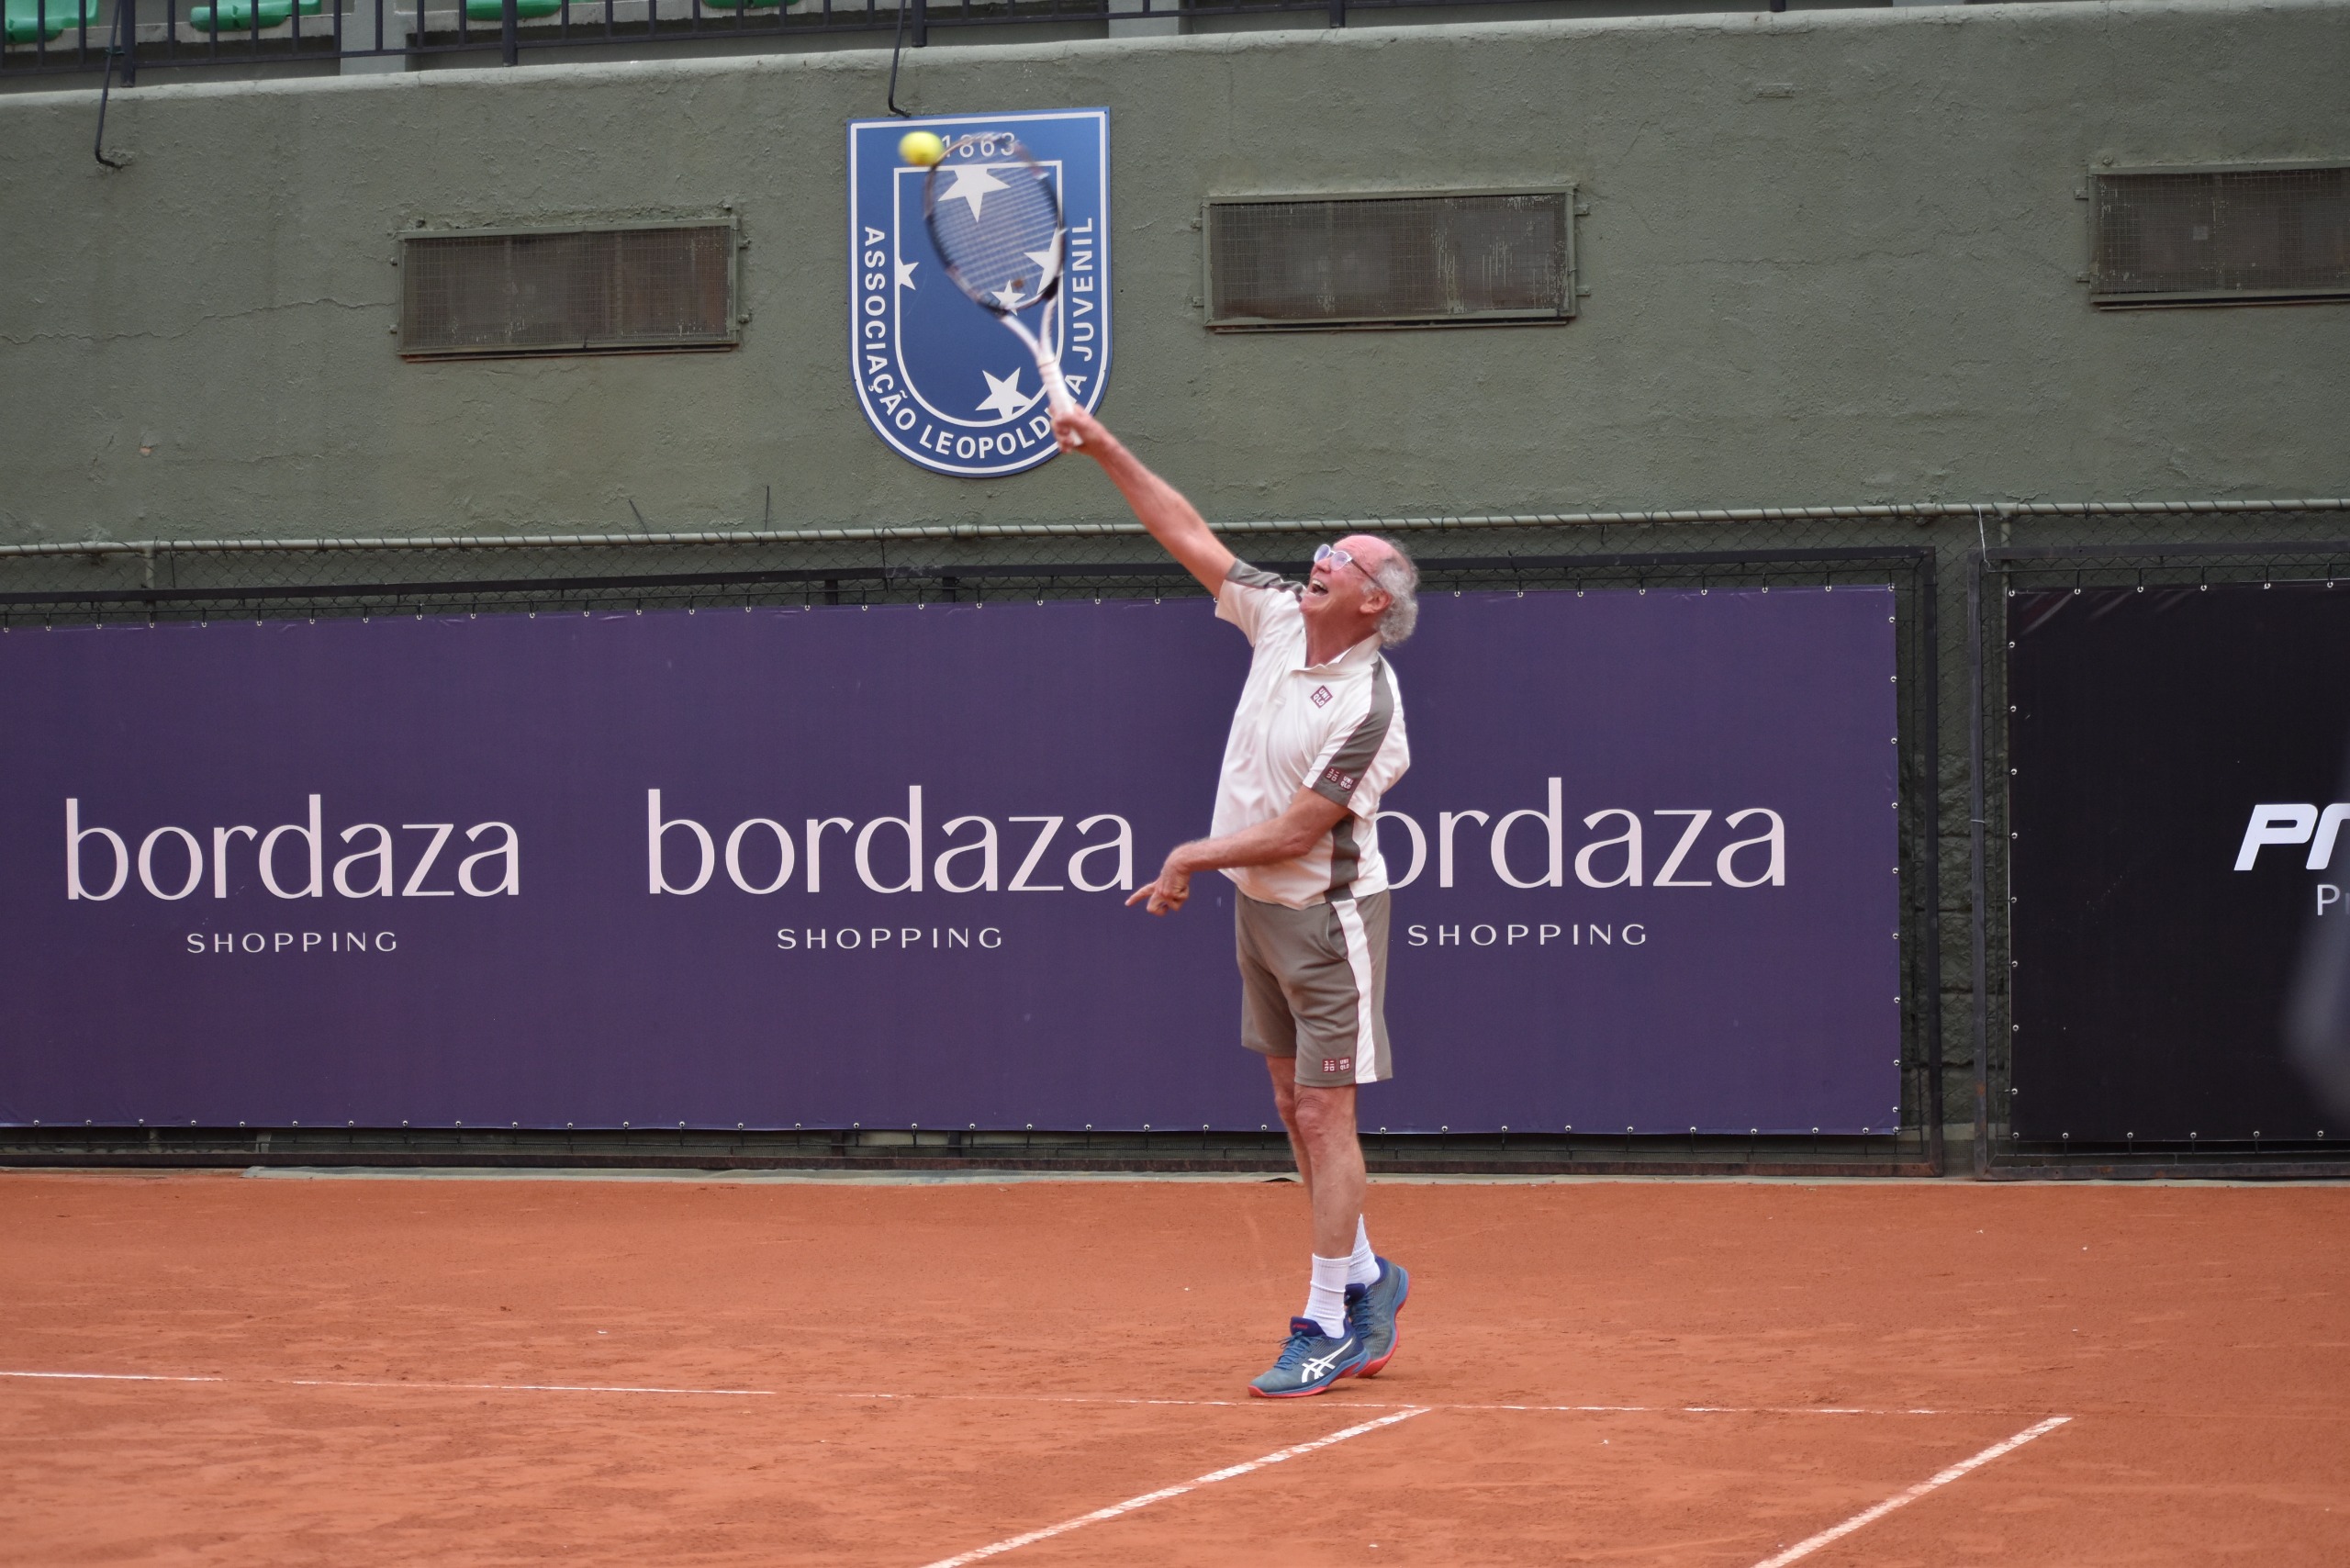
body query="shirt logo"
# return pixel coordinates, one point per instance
(1321, 695)
(941, 382)
(1346, 781)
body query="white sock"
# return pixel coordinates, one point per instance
(1362, 1269)
(1325, 1303)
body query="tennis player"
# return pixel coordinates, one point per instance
(1317, 740)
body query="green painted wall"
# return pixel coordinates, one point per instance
(1832, 257)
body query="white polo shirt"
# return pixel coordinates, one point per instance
(1336, 728)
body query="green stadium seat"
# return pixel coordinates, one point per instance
(494, 10)
(27, 20)
(238, 16)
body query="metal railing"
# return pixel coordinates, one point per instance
(56, 37)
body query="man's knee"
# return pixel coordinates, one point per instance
(1285, 1076)
(1325, 1113)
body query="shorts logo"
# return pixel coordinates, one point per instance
(1321, 696)
(1337, 1064)
(1346, 781)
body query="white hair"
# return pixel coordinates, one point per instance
(1400, 580)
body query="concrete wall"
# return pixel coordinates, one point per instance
(1832, 257)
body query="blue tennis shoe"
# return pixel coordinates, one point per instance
(1310, 1362)
(1370, 1312)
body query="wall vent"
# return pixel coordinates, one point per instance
(620, 290)
(1456, 259)
(2220, 235)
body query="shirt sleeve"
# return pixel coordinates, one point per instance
(1363, 760)
(1249, 592)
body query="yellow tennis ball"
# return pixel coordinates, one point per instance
(920, 147)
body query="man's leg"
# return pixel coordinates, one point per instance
(1284, 1074)
(1363, 1267)
(1341, 1007)
(1279, 950)
(1372, 1289)
(1330, 1160)
(1324, 1345)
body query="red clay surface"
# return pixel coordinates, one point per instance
(2198, 1336)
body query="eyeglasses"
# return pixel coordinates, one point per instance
(1338, 557)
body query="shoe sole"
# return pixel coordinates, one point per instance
(1373, 1368)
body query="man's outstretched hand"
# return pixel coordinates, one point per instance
(1166, 894)
(1077, 431)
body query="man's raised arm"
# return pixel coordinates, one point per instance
(1172, 520)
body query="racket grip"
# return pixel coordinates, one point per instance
(1057, 390)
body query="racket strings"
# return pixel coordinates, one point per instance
(1003, 248)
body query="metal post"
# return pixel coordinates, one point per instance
(1976, 565)
(1931, 730)
(921, 22)
(126, 41)
(509, 31)
(1338, 13)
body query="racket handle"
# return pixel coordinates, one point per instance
(1049, 367)
(1057, 390)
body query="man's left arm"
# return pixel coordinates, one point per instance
(1285, 837)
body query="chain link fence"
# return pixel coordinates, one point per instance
(1953, 1066)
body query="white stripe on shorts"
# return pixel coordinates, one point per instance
(1358, 960)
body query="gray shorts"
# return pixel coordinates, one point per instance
(1314, 986)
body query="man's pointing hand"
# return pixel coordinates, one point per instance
(1166, 894)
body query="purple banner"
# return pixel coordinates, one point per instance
(821, 866)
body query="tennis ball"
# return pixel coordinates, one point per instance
(920, 147)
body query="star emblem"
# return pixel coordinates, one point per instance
(1009, 296)
(906, 273)
(1004, 397)
(972, 183)
(1047, 260)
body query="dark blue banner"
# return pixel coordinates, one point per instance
(833, 866)
(940, 379)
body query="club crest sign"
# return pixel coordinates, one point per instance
(940, 378)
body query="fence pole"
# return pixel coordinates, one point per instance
(127, 45)
(1930, 732)
(510, 27)
(1978, 564)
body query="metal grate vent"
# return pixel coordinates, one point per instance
(1390, 261)
(577, 291)
(2206, 236)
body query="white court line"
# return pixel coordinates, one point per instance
(428, 1383)
(1116, 1510)
(113, 1377)
(520, 1387)
(1943, 1478)
(1438, 1405)
(406, 1382)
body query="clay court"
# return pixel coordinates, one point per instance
(215, 1369)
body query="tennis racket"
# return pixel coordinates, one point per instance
(991, 212)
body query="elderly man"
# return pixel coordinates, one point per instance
(1317, 740)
